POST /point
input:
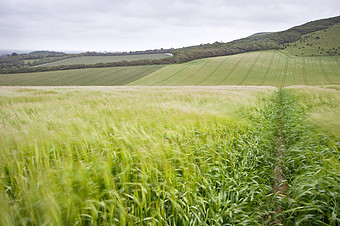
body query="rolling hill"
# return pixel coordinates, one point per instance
(275, 68)
(320, 43)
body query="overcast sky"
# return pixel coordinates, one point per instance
(124, 25)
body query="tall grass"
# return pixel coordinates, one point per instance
(167, 156)
(173, 156)
(312, 160)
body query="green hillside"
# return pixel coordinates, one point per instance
(257, 42)
(319, 43)
(114, 76)
(105, 59)
(262, 68)
(275, 68)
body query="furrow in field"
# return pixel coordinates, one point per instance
(285, 73)
(193, 75)
(324, 72)
(293, 75)
(167, 78)
(21, 79)
(79, 78)
(138, 73)
(316, 74)
(261, 66)
(304, 71)
(267, 69)
(231, 72)
(54, 79)
(250, 69)
(332, 69)
(101, 77)
(212, 73)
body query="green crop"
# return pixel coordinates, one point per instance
(273, 68)
(312, 158)
(114, 76)
(167, 156)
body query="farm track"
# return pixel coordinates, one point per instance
(280, 182)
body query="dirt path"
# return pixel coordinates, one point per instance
(280, 182)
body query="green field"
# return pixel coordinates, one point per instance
(273, 68)
(169, 155)
(105, 59)
(114, 76)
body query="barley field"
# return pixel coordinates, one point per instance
(168, 155)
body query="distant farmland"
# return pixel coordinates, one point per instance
(274, 68)
(262, 68)
(112, 76)
(106, 59)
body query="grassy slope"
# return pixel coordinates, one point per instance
(83, 77)
(319, 43)
(277, 68)
(105, 59)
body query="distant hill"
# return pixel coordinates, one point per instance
(259, 41)
(320, 37)
(325, 42)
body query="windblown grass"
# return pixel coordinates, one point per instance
(312, 158)
(136, 155)
(167, 155)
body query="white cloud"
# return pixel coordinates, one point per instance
(143, 24)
